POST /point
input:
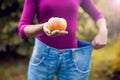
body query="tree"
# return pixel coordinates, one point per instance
(10, 12)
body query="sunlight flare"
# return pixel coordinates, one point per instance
(117, 1)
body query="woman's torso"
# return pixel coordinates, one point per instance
(67, 9)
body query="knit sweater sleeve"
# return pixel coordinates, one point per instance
(27, 16)
(89, 7)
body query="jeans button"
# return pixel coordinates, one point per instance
(60, 52)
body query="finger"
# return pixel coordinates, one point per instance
(101, 46)
(62, 33)
(95, 45)
(48, 34)
(55, 33)
(98, 46)
(58, 33)
(46, 30)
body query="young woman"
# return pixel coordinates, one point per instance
(59, 52)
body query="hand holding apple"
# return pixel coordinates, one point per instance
(55, 27)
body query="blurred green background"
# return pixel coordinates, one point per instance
(15, 52)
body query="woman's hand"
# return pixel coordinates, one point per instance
(53, 33)
(100, 40)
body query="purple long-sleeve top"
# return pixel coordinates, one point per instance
(68, 9)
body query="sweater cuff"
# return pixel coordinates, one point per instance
(22, 33)
(98, 17)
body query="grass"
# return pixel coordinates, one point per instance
(16, 69)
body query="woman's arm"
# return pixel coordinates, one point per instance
(27, 16)
(89, 7)
(33, 30)
(101, 38)
(26, 29)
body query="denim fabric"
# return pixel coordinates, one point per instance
(66, 64)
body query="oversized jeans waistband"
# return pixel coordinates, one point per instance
(82, 46)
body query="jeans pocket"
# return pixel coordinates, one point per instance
(36, 58)
(82, 60)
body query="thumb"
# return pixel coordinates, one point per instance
(45, 29)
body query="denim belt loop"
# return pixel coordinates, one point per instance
(72, 53)
(73, 50)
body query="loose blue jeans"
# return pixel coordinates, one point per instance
(66, 64)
